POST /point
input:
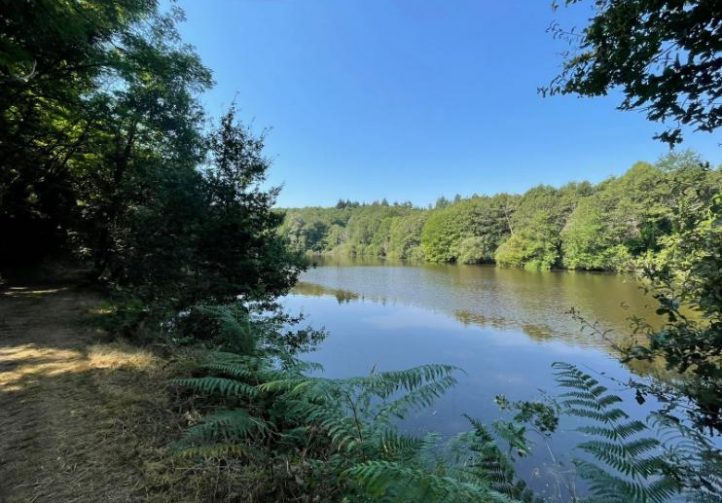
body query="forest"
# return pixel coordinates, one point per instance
(607, 226)
(113, 176)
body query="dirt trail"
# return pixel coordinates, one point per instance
(68, 431)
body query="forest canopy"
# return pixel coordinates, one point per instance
(582, 226)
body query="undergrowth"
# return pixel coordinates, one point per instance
(315, 439)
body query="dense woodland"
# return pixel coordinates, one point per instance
(109, 163)
(607, 226)
(108, 159)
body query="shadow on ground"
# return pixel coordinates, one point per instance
(84, 418)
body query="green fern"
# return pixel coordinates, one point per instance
(342, 435)
(347, 428)
(215, 385)
(696, 461)
(400, 483)
(359, 413)
(226, 324)
(485, 461)
(629, 467)
(228, 425)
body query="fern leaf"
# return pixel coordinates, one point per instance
(630, 467)
(229, 425)
(222, 386)
(418, 398)
(396, 482)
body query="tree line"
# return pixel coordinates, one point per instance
(584, 226)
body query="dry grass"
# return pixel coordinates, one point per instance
(25, 364)
(83, 419)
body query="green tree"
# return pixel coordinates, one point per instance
(335, 237)
(476, 249)
(477, 224)
(54, 56)
(146, 140)
(665, 55)
(369, 229)
(629, 215)
(537, 223)
(440, 235)
(686, 276)
(405, 236)
(589, 240)
(238, 250)
(103, 151)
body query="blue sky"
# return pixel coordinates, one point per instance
(410, 100)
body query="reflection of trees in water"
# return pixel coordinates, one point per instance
(342, 296)
(534, 331)
(537, 332)
(545, 333)
(539, 302)
(314, 290)
(467, 318)
(536, 304)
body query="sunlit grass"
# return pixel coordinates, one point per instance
(117, 355)
(22, 365)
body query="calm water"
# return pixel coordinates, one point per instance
(503, 327)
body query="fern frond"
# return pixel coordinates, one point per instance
(607, 488)
(418, 398)
(235, 370)
(694, 459)
(280, 385)
(632, 468)
(228, 425)
(486, 462)
(625, 458)
(384, 384)
(395, 445)
(514, 435)
(397, 482)
(601, 416)
(212, 385)
(624, 431)
(344, 433)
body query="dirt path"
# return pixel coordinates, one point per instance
(69, 430)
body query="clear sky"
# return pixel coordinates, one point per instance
(410, 100)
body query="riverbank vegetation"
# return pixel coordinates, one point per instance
(581, 226)
(109, 163)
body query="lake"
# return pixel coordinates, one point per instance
(503, 327)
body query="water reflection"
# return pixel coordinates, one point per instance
(536, 303)
(503, 327)
(342, 296)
